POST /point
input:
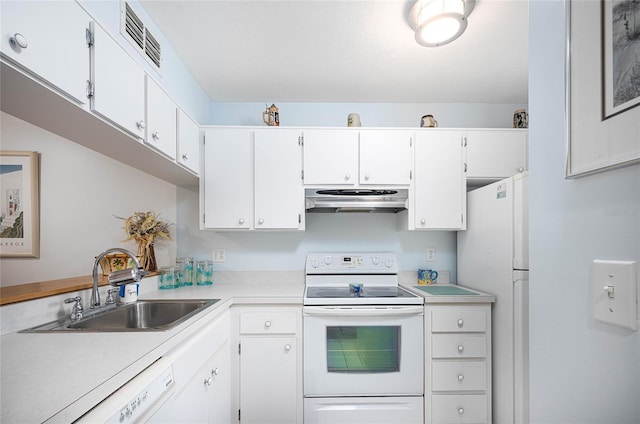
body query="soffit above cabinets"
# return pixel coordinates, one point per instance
(345, 51)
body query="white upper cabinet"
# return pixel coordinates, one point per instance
(228, 178)
(385, 157)
(353, 157)
(161, 128)
(330, 157)
(279, 192)
(188, 142)
(118, 84)
(48, 39)
(253, 179)
(493, 154)
(439, 195)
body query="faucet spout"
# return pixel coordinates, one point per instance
(95, 295)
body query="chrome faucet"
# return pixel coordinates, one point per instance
(133, 275)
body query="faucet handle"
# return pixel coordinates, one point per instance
(78, 311)
(111, 300)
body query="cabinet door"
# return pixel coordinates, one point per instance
(330, 157)
(188, 142)
(496, 154)
(279, 193)
(228, 178)
(118, 84)
(440, 184)
(161, 120)
(268, 374)
(385, 157)
(206, 397)
(54, 42)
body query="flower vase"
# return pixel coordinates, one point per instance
(147, 255)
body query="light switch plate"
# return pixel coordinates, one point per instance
(614, 288)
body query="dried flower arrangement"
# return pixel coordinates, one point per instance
(146, 228)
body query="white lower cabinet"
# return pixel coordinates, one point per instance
(206, 397)
(458, 363)
(203, 375)
(269, 364)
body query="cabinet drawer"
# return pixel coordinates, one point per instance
(458, 320)
(449, 409)
(459, 375)
(268, 322)
(458, 346)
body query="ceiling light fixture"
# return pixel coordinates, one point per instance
(439, 22)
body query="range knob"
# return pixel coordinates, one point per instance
(328, 260)
(388, 263)
(315, 263)
(375, 260)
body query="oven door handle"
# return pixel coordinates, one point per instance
(366, 311)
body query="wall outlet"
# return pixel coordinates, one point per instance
(219, 255)
(431, 254)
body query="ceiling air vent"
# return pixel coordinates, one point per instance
(138, 34)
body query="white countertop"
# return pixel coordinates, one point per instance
(57, 377)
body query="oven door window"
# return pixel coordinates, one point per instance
(363, 349)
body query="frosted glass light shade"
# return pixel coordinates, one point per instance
(438, 22)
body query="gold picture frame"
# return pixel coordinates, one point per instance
(19, 204)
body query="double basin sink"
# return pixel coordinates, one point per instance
(143, 315)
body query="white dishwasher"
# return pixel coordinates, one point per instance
(139, 399)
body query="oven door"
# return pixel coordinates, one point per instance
(363, 350)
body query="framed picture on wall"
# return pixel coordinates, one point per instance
(19, 204)
(621, 55)
(603, 85)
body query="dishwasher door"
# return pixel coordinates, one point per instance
(139, 399)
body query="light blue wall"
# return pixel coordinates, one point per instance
(286, 251)
(472, 115)
(175, 77)
(581, 371)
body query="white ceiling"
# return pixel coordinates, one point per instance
(345, 51)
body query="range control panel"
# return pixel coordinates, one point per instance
(352, 263)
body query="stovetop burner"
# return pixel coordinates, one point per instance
(355, 279)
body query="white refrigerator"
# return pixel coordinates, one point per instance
(493, 256)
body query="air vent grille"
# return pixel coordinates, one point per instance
(152, 48)
(140, 36)
(134, 27)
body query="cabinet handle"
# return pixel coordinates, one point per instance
(460, 348)
(520, 169)
(156, 135)
(460, 411)
(208, 381)
(18, 40)
(423, 221)
(185, 156)
(460, 322)
(460, 378)
(287, 347)
(241, 221)
(140, 124)
(367, 177)
(347, 176)
(215, 371)
(267, 324)
(260, 221)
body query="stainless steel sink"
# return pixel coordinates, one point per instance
(143, 315)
